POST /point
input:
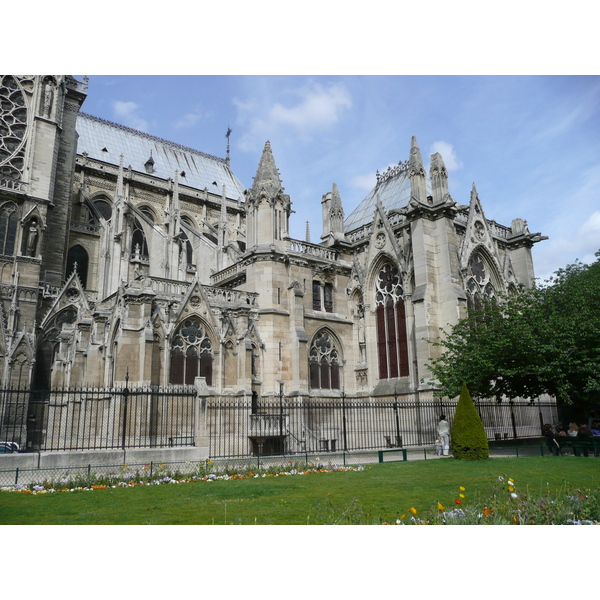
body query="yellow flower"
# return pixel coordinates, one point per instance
(441, 507)
(461, 495)
(511, 488)
(402, 516)
(413, 510)
(462, 489)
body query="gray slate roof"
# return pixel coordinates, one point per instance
(106, 141)
(394, 193)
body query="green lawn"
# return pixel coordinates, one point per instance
(382, 491)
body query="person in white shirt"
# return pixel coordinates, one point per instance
(443, 430)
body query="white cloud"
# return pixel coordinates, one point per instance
(317, 107)
(561, 251)
(127, 113)
(364, 182)
(448, 154)
(190, 119)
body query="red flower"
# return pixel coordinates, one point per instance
(458, 501)
(486, 512)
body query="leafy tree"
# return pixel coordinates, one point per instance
(542, 340)
(469, 440)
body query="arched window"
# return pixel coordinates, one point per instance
(104, 208)
(316, 287)
(138, 241)
(324, 363)
(479, 286)
(77, 254)
(8, 229)
(392, 340)
(186, 245)
(191, 353)
(148, 213)
(48, 345)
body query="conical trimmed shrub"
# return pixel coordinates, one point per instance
(469, 441)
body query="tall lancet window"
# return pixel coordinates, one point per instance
(324, 363)
(191, 353)
(392, 341)
(186, 245)
(8, 229)
(139, 245)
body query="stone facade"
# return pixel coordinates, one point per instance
(127, 256)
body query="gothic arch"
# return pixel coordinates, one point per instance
(373, 271)
(482, 278)
(101, 204)
(229, 364)
(78, 255)
(148, 211)
(49, 345)
(192, 352)
(9, 226)
(139, 243)
(325, 360)
(390, 320)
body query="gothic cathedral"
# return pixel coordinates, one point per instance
(123, 255)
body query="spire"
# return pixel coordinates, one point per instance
(223, 220)
(474, 194)
(336, 213)
(120, 193)
(307, 237)
(267, 174)
(227, 157)
(416, 173)
(175, 208)
(439, 179)
(415, 160)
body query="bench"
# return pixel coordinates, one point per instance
(580, 444)
(381, 453)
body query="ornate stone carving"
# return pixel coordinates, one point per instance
(13, 128)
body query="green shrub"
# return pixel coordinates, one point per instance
(469, 441)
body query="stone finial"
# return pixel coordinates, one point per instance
(439, 179)
(267, 174)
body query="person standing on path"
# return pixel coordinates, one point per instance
(443, 430)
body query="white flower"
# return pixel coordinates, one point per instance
(500, 478)
(513, 495)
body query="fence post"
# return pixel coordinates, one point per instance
(344, 420)
(201, 438)
(125, 393)
(512, 419)
(16, 475)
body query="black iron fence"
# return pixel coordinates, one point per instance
(153, 417)
(237, 428)
(97, 418)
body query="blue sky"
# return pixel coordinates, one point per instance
(531, 144)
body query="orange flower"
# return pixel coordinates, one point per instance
(413, 510)
(486, 512)
(514, 519)
(458, 501)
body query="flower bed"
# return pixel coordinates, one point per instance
(164, 475)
